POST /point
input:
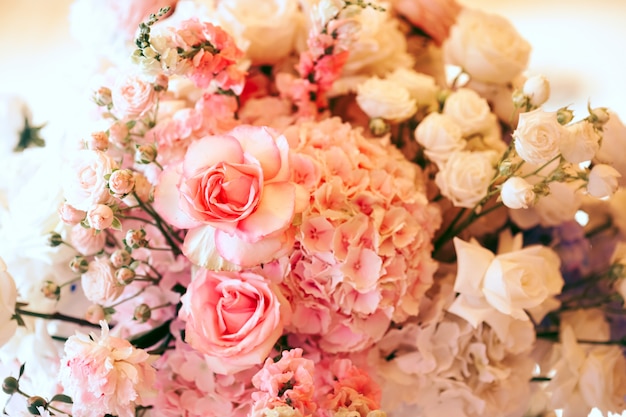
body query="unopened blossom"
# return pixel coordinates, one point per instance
(106, 375)
(100, 217)
(517, 193)
(98, 141)
(603, 181)
(121, 182)
(537, 90)
(95, 314)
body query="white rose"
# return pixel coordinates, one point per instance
(557, 207)
(517, 193)
(469, 110)
(84, 184)
(270, 26)
(537, 89)
(538, 136)
(581, 144)
(465, 177)
(8, 298)
(603, 181)
(441, 137)
(99, 283)
(385, 99)
(487, 47)
(422, 87)
(603, 379)
(611, 150)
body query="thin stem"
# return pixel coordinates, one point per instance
(69, 282)
(153, 269)
(542, 166)
(599, 229)
(160, 306)
(55, 316)
(127, 299)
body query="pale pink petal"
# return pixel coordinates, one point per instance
(274, 212)
(260, 144)
(246, 254)
(211, 150)
(200, 248)
(166, 197)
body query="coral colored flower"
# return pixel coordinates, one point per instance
(106, 375)
(233, 317)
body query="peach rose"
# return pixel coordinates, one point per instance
(99, 283)
(435, 17)
(132, 97)
(233, 317)
(100, 217)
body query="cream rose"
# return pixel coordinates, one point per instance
(487, 47)
(581, 144)
(469, 110)
(99, 283)
(422, 87)
(385, 99)
(441, 136)
(465, 178)
(537, 90)
(611, 150)
(538, 136)
(8, 298)
(603, 181)
(517, 193)
(84, 181)
(270, 26)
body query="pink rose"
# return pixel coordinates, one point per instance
(99, 283)
(121, 182)
(86, 241)
(435, 17)
(233, 317)
(70, 215)
(84, 182)
(100, 217)
(132, 97)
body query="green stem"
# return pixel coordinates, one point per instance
(56, 316)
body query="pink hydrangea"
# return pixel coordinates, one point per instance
(106, 375)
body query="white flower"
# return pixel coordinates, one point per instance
(509, 282)
(99, 283)
(84, 184)
(587, 324)
(385, 99)
(469, 110)
(557, 207)
(465, 177)
(422, 87)
(538, 136)
(270, 26)
(517, 193)
(603, 181)
(441, 137)
(487, 47)
(8, 298)
(537, 89)
(581, 144)
(611, 150)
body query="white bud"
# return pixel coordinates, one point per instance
(603, 181)
(537, 89)
(517, 193)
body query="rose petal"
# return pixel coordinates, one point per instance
(260, 143)
(246, 254)
(200, 248)
(274, 212)
(166, 197)
(473, 261)
(211, 150)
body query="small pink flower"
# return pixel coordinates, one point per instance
(121, 182)
(95, 314)
(86, 241)
(132, 97)
(70, 215)
(233, 317)
(118, 134)
(100, 217)
(84, 182)
(99, 283)
(106, 375)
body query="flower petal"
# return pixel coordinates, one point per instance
(211, 150)
(166, 197)
(473, 261)
(200, 248)
(246, 254)
(274, 212)
(260, 143)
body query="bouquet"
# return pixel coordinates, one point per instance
(332, 208)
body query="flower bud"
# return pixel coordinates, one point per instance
(537, 89)
(161, 83)
(99, 141)
(51, 290)
(55, 239)
(34, 403)
(145, 154)
(379, 127)
(142, 313)
(100, 217)
(135, 238)
(564, 115)
(119, 134)
(603, 181)
(120, 258)
(95, 313)
(599, 115)
(517, 193)
(70, 215)
(103, 97)
(121, 183)
(10, 385)
(124, 275)
(79, 264)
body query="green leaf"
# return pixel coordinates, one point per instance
(62, 398)
(29, 136)
(19, 375)
(151, 337)
(117, 224)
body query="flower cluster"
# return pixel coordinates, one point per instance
(324, 208)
